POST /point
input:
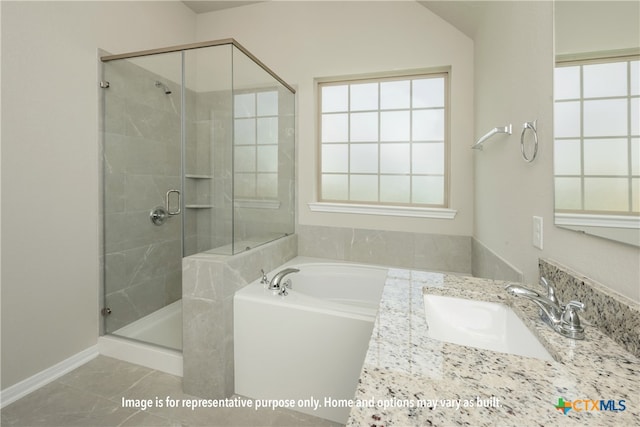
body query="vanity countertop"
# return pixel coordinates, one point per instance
(424, 382)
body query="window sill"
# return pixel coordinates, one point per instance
(404, 211)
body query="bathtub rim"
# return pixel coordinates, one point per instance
(255, 291)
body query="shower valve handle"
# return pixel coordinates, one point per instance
(169, 211)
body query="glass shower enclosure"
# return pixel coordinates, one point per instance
(198, 156)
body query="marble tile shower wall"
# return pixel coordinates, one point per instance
(142, 261)
(435, 252)
(208, 180)
(219, 218)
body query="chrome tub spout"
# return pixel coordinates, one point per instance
(274, 284)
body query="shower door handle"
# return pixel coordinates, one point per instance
(178, 202)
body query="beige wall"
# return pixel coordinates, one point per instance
(514, 83)
(301, 41)
(50, 219)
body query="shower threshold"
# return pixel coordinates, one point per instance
(155, 341)
(163, 327)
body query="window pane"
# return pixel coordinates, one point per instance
(244, 159)
(605, 117)
(635, 156)
(335, 187)
(635, 78)
(244, 185)
(427, 190)
(394, 158)
(394, 126)
(267, 185)
(428, 158)
(428, 93)
(364, 97)
(605, 157)
(567, 119)
(364, 127)
(268, 158)
(566, 83)
(244, 132)
(335, 128)
(568, 194)
(267, 103)
(635, 195)
(267, 130)
(635, 116)
(335, 158)
(566, 157)
(335, 98)
(428, 125)
(364, 158)
(606, 194)
(244, 105)
(605, 80)
(364, 188)
(394, 95)
(394, 189)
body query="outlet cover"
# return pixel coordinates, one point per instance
(537, 232)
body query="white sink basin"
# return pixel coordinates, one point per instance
(480, 324)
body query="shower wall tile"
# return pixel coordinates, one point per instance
(398, 249)
(209, 283)
(141, 146)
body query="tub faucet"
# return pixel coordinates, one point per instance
(274, 284)
(561, 318)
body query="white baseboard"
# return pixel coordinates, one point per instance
(42, 378)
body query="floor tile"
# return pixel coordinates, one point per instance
(92, 396)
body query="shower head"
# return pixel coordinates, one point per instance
(164, 87)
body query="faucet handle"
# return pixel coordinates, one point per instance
(551, 290)
(264, 279)
(570, 325)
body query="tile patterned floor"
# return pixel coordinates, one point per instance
(91, 396)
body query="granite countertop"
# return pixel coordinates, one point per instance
(424, 382)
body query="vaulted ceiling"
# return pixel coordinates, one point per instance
(461, 14)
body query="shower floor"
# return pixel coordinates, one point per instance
(162, 327)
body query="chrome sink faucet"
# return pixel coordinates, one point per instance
(275, 283)
(561, 318)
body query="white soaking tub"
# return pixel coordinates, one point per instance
(310, 343)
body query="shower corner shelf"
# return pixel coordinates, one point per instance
(197, 206)
(198, 176)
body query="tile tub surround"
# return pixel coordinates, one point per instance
(615, 315)
(488, 265)
(209, 283)
(435, 252)
(403, 364)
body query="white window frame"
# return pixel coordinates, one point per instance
(440, 211)
(585, 217)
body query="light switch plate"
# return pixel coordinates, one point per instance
(537, 232)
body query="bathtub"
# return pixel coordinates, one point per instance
(310, 343)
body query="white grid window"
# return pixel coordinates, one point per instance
(255, 156)
(597, 136)
(384, 141)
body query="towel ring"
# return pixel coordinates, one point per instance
(532, 126)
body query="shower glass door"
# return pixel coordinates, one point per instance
(143, 197)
